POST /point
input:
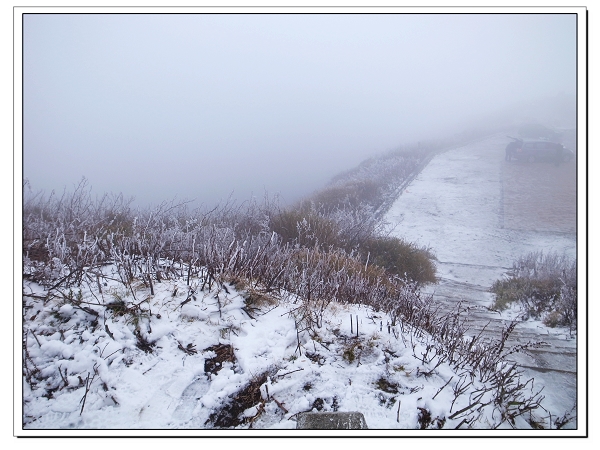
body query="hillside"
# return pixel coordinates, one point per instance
(169, 319)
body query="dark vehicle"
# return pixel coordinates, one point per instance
(537, 150)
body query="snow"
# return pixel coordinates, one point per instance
(168, 389)
(113, 386)
(147, 390)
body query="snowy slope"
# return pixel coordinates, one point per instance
(100, 375)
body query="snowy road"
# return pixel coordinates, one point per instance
(464, 206)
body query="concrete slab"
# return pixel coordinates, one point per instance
(331, 421)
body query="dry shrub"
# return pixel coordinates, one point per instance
(305, 227)
(544, 285)
(401, 258)
(349, 195)
(553, 319)
(536, 295)
(255, 299)
(337, 261)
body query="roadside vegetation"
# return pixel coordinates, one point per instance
(544, 286)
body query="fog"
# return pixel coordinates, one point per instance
(204, 106)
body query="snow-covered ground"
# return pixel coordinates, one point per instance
(108, 379)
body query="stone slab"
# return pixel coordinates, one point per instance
(331, 421)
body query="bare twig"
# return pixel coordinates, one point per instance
(36, 339)
(280, 405)
(88, 385)
(189, 349)
(440, 389)
(283, 375)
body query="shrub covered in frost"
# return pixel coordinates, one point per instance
(544, 285)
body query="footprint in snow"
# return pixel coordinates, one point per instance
(189, 399)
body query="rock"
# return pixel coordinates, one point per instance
(331, 421)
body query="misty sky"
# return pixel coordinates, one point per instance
(200, 106)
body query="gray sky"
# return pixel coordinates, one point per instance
(200, 106)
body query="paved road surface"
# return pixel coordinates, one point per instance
(479, 213)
